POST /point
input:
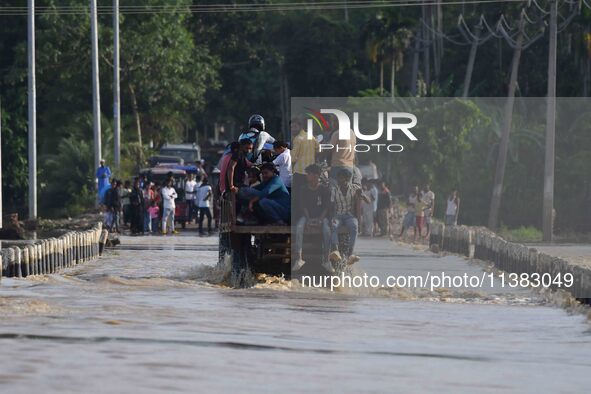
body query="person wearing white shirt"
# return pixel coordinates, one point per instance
(453, 208)
(168, 196)
(283, 162)
(204, 193)
(190, 191)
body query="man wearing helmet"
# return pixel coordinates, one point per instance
(259, 137)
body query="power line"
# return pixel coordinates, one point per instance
(232, 8)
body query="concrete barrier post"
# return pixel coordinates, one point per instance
(51, 244)
(32, 268)
(76, 246)
(39, 254)
(62, 253)
(88, 245)
(471, 241)
(67, 256)
(40, 264)
(98, 234)
(56, 246)
(71, 251)
(46, 261)
(58, 255)
(88, 235)
(82, 248)
(34, 257)
(104, 237)
(94, 243)
(10, 266)
(18, 272)
(25, 261)
(4, 254)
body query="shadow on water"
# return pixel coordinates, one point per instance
(230, 345)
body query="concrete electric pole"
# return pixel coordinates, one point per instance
(96, 99)
(116, 87)
(32, 112)
(548, 205)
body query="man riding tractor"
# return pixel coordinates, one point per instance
(259, 137)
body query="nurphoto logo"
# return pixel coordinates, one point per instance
(395, 121)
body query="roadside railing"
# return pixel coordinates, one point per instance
(47, 256)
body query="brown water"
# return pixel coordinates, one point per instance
(151, 317)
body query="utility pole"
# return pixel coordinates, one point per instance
(32, 112)
(346, 12)
(1, 163)
(471, 60)
(548, 204)
(415, 66)
(495, 204)
(96, 100)
(116, 87)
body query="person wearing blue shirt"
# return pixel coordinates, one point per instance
(103, 174)
(270, 201)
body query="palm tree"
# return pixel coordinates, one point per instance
(398, 42)
(375, 35)
(386, 43)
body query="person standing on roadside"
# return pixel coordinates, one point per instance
(136, 201)
(453, 209)
(190, 197)
(103, 174)
(115, 206)
(148, 191)
(125, 193)
(204, 193)
(168, 196)
(420, 208)
(107, 199)
(410, 217)
(154, 212)
(384, 206)
(367, 212)
(428, 197)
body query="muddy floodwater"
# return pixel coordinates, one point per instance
(151, 316)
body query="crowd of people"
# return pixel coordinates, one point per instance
(328, 189)
(262, 174)
(421, 207)
(149, 207)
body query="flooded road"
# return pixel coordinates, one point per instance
(151, 316)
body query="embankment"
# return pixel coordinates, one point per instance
(46, 256)
(483, 244)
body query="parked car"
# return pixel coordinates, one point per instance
(190, 153)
